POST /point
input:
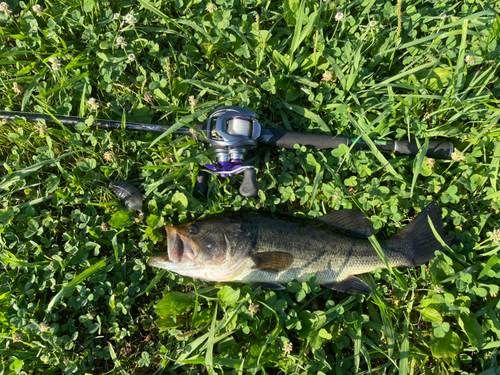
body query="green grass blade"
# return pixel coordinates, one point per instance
(115, 360)
(494, 166)
(70, 287)
(459, 70)
(298, 30)
(193, 345)
(31, 87)
(309, 115)
(438, 237)
(405, 349)
(357, 345)
(417, 165)
(381, 158)
(491, 262)
(185, 121)
(316, 183)
(408, 72)
(153, 282)
(235, 30)
(82, 101)
(376, 245)
(338, 71)
(20, 175)
(209, 357)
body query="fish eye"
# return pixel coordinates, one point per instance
(193, 229)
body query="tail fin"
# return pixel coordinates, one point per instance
(420, 237)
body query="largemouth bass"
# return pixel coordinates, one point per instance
(269, 251)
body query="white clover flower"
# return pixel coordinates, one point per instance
(148, 98)
(130, 19)
(121, 42)
(327, 76)
(116, 16)
(287, 347)
(4, 7)
(16, 337)
(108, 156)
(339, 17)
(42, 129)
(43, 327)
(37, 8)
(442, 16)
(373, 23)
(253, 309)
(94, 106)
(56, 64)
(211, 7)
(495, 235)
(193, 101)
(131, 57)
(469, 60)
(457, 155)
(16, 88)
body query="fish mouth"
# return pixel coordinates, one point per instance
(180, 249)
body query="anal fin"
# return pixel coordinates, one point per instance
(268, 285)
(351, 285)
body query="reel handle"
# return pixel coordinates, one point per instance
(201, 185)
(249, 187)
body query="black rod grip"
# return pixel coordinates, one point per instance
(436, 150)
(287, 139)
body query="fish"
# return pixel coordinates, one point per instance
(270, 251)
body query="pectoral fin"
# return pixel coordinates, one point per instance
(351, 285)
(272, 261)
(268, 285)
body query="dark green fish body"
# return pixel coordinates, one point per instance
(271, 251)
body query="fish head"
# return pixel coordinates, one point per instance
(211, 249)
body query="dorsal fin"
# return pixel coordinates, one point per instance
(351, 222)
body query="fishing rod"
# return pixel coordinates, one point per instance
(231, 131)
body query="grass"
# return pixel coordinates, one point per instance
(76, 294)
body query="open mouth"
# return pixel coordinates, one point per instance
(179, 247)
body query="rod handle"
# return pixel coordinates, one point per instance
(436, 150)
(287, 139)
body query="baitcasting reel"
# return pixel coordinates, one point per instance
(232, 131)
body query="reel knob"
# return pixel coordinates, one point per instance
(201, 186)
(249, 187)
